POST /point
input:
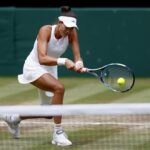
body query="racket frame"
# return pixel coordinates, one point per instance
(99, 77)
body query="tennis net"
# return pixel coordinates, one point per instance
(89, 127)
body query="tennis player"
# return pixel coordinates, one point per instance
(40, 68)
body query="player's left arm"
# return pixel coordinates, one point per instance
(76, 50)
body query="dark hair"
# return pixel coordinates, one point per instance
(66, 11)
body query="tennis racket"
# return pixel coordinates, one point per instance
(115, 76)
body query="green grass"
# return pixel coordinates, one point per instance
(97, 137)
(78, 91)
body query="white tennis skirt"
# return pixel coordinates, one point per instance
(32, 72)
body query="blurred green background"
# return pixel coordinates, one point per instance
(106, 35)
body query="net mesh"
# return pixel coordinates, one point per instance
(96, 127)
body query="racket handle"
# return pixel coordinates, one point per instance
(84, 69)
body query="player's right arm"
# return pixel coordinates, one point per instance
(42, 45)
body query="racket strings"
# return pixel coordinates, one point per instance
(111, 74)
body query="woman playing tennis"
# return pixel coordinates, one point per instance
(40, 67)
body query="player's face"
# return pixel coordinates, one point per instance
(65, 31)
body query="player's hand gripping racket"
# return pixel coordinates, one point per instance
(117, 77)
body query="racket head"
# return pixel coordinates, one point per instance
(110, 74)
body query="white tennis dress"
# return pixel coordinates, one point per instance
(32, 69)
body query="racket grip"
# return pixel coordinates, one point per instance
(84, 69)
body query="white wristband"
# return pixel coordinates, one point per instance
(61, 61)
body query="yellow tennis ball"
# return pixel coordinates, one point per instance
(121, 81)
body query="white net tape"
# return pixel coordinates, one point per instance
(77, 109)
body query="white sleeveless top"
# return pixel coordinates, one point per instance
(32, 69)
